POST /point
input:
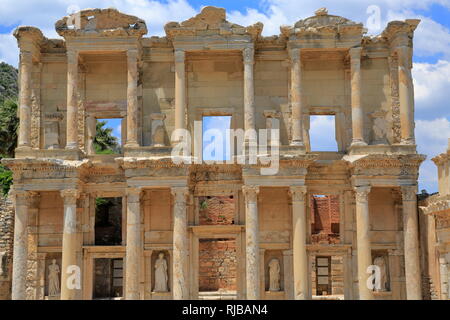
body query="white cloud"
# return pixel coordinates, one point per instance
(322, 133)
(8, 49)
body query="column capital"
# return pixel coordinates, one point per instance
(26, 56)
(297, 193)
(409, 193)
(133, 194)
(179, 55)
(355, 53)
(72, 56)
(248, 54)
(295, 54)
(70, 196)
(24, 197)
(362, 193)
(132, 53)
(180, 194)
(404, 55)
(250, 193)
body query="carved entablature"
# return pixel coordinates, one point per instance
(46, 168)
(152, 167)
(211, 21)
(217, 172)
(400, 33)
(323, 24)
(30, 39)
(437, 205)
(100, 23)
(386, 165)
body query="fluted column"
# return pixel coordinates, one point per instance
(406, 95)
(249, 93)
(300, 255)
(26, 65)
(296, 97)
(180, 89)
(72, 100)
(363, 241)
(134, 244)
(20, 253)
(411, 243)
(180, 244)
(69, 245)
(252, 242)
(357, 111)
(132, 101)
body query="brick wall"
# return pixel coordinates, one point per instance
(217, 264)
(325, 220)
(216, 210)
(6, 245)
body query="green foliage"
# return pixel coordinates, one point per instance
(5, 180)
(104, 141)
(8, 82)
(204, 205)
(9, 124)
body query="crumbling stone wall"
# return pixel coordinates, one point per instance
(216, 210)
(217, 264)
(6, 246)
(325, 219)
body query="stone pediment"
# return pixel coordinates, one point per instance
(211, 21)
(322, 22)
(100, 22)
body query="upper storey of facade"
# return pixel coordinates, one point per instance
(105, 67)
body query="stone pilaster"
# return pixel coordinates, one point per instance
(180, 243)
(357, 111)
(249, 93)
(252, 242)
(411, 243)
(364, 250)
(300, 255)
(26, 65)
(69, 265)
(406, 95)
(134, 244)
(180, 89)
(296, 97)
(72, 100)
(132, 99)
(20, 252)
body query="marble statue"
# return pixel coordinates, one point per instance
(381, 263)
(274, 275)
(53, 279)
(161, 274)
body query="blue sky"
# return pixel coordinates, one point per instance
(431, 70)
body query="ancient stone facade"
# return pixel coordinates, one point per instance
(105, 67)
(6, 246)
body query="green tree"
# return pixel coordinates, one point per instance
(9, 123)
(104, 141)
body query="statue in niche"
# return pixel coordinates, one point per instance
(160, 274)
(274, 275)
(2, 263)
(380, 261)
(53, 279)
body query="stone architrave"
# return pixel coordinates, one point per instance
(274, 275)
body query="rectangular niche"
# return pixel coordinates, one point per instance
(325, 219)
(216, 210)
(380, 258)
(108, 221)
(163, 285)
(273, 261)
(217, 265)
(108, 278)
(49, 265)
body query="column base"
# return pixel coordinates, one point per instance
(131, 145)
(358, 143)
(297, 143)
(72, 146)
(409, 141)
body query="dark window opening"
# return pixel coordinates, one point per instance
(108, 221)
(108, 278)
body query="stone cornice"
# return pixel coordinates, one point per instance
(140, 163)
(400, 28)
(386, 161)
(27, 32)
(100, 23)
(211, 21)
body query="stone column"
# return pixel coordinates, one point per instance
(300, 255)
(411, 243)
(91, 127)
(69, 264)
(249, 94)
(406, 95)
(357, 111)
(296, 97)
(252, 242)
(180, 244)
(26, 65)
(72, 100)
(180, 89)
(364, 250)
(132, 100)
(20, 253)
(134, 244)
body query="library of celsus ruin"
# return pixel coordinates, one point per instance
(138, 225)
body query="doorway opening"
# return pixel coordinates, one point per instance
(108, 278)
(217, 269)
(108, 221)
(327, 277)
(325, 219)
